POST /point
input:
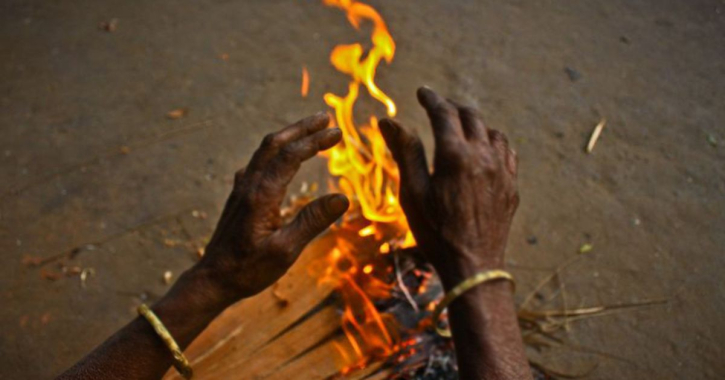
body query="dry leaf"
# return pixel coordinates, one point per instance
(585, 248)
(109, 26)
(51, 276)
(32, 260)
(177, 113)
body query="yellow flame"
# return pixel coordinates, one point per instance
(368, 175)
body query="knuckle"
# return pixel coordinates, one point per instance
(469, 112)
(499, 138)
(289, 154)
(313, 216)
(515, 200)
(248, 197)
(411, 143)
(446, 110)
(271, 141)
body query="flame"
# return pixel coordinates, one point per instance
(305, 89)
(366, 172)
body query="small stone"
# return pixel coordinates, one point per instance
(573, 74)
(532, 240)
(167, 277)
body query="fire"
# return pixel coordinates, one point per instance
(305, 88)
(366, 172)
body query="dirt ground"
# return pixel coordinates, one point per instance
(92, 167)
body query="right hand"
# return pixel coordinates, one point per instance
(252, 247)
(461, 213)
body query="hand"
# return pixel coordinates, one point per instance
(251, 248)
(460, 215)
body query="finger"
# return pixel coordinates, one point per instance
(274, 142)
(471, 123)
(500, 144)
(280, 170)
(312, 220)
(512, 162)
(409, 153)
(499, 141)
(446, 124)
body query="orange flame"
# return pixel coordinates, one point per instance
(305, 82)
(367, 174)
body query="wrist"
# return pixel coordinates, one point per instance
(463, 264)
(197, 289)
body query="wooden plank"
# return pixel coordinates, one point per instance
(322, 362)
(285, 349)
(246, 327)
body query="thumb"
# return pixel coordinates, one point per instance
(314, 218)
(409, 153)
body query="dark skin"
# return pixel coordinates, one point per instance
(460, 215)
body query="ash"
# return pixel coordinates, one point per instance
(424, 355)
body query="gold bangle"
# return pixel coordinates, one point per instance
(477, 279)
(180, 362)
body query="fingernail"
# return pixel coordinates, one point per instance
(338, 203)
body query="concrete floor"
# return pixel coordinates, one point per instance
(89, 163)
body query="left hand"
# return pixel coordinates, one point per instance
(251, 248)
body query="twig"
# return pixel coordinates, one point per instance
(562, 287)
(546, 280)
(595, 135)
(402, 284)
(586, 311)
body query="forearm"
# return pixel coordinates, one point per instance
(136, 351)
(486, 334)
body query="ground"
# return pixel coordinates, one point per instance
(91, 165)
